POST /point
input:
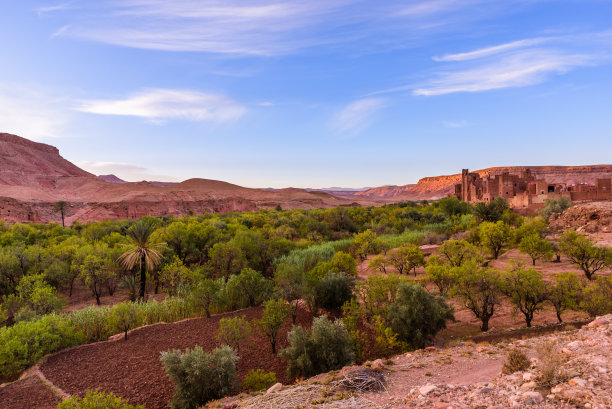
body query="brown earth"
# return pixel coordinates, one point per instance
(34, 177)
(28, 393)
(440, 186)
(132, 369)
(593, 217)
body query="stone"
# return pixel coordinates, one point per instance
(532, 398)
(528, 376)
(378, 365)
(529, 385)
(577, 382)
(597, 322)
(427, 389)
(275, 388)
(485, 390)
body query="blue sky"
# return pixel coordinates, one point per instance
(309, 93)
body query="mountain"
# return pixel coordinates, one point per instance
(436, 187)
(34, 177)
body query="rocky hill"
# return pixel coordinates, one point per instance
(440, 186)
(34, 177)
(568, 370)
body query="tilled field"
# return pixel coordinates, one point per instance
(28, 393)
(132, 369)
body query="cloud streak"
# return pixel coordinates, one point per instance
(357, 116)
(127, 171)
(163, 104)
(271, 27)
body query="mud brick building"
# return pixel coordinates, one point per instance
(524, 190)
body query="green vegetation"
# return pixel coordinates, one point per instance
(258, 380)
(199, 377)
(234, 331)
(274, 315)
(327, 346)
(584, 253)
(97, 400)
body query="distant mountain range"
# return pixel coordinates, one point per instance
(34, 177)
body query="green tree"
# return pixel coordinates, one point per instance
(334, 290)
(234, 331)
(123, 317)
(142, 252)
(206, 294)
(536, 247)
(377, 292)
(274, 314)
(457, 252)
(414, 257)
(582, 252)
(200, 377)
(226, 259)
(365, 243)
(494, 236)
(440, 274)
(596, 298)
(555, 206)
(291, 285)
(379, 263)
(343, 262)
(527, 291)
(416, 316)
(479, 290)
(327, 346)
(253, 286)
(565, 293)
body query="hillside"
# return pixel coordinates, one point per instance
(465, 376)
(34, 177)
(440, 186)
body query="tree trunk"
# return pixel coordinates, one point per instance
(533, 259)
(97, 298)
(143, 277)
(273, 343)
(528, 319)
(125, 336)
(294, 312)
(485, 325)
(62, 212)
(559, 316)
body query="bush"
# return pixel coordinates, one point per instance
(258, 380)
(91, 322)
(327, 346)
(97, 400)
(516, 360)
(596, 298)
(200, 377)
(549, 365)
(334, 290)
(274, 315)
(233, 331)
(416, 315)
(26, 342)
(123, 317)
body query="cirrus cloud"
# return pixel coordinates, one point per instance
(357, 116)
(163, 104)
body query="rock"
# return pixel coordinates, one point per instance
(556, 390)
(532, 398)
(431, 349)
(529, 385)
(528, 376)
(427, 389)
(598, 322)
(378, 365)
(275, 388)
(485, 390)
(577, 382)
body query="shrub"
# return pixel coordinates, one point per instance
(527, 291)
(200, 377)
(123, 317)
(516, 360)
(97, 400)
(26, 342)
(334, 290)
(233, 331)
(416, 315)
(274, 315)
(343, 262)
(258, 380)
(596, 298)
(549, 364)
(327, 346)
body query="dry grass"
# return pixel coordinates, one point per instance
(516, 360)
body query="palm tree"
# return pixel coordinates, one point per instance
(59, 207)
(142, 251)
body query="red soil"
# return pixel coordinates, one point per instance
(132, 369)
(27, 394)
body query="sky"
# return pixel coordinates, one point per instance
(316, 93)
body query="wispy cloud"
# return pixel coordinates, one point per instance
(488, 51)
(127, 171)
(163, 104)
(272, 27)
(528, 67)
(30, 112)
(357, 116)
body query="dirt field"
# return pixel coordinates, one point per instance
(28, 393)
(132, 368)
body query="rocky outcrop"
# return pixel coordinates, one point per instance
(585, 217)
